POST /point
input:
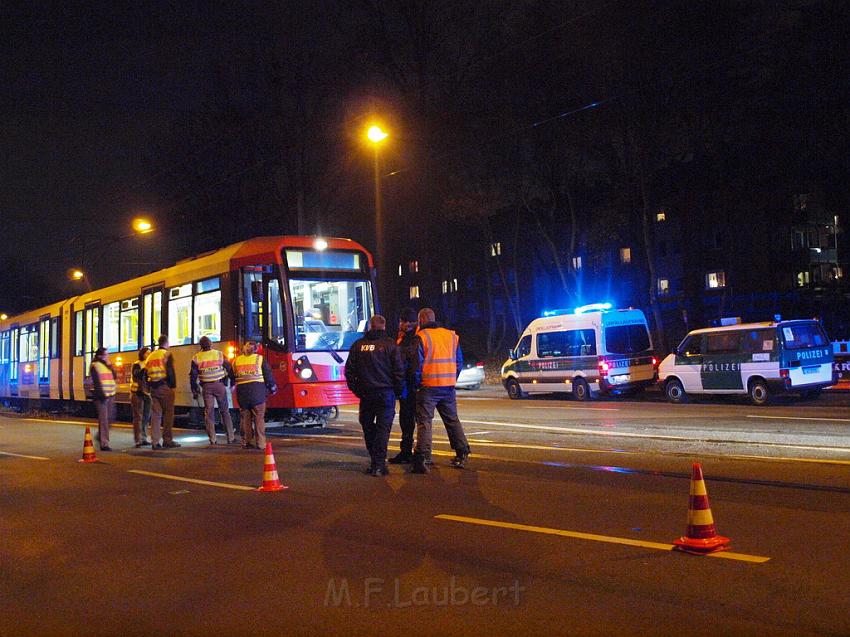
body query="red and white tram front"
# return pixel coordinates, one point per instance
(307, 308)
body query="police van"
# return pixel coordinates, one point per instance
(585, 351)
(755, 359)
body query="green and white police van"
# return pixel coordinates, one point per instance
(755, 359)
(585, 351)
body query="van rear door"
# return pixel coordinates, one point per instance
(806, 353)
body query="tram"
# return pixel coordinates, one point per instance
(305, 299)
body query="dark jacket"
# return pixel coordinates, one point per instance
(374, 363)
(421, 356)
(408, 343)
(253, 394)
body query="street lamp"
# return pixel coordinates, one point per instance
(3, 316)
(376, 135)
(142, 225)
(76, 274)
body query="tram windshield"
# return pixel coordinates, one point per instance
(329, 314)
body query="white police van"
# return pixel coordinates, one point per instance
(755, 359)
(584, 351)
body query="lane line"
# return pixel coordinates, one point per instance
(798, 418)
(223, 485)
(609, 539)
(565, 407)
(21, 455)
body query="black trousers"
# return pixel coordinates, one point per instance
(407, 420)
(377, 410)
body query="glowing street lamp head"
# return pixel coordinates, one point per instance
(3, 316)
(376, 134)
(142, 225)
(76, 274)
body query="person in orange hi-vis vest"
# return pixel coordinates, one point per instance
(254, 382)
(440, 362)
(104, 388)
(212, 370)
(159, 371)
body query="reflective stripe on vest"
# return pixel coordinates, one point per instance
(439, 345)
(107, 380)
(155, 365)
(210, 365)
(248, 369)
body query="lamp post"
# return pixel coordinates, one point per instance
(376, 135)
(140, 225)
(76, 274)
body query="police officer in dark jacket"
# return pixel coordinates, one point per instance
(375, 374)
(408, 343)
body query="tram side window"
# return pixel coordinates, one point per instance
(4, 348)
(253, 310)
(153, 318)
(55, 342)
(130, 324)
(571, 343)
(208, 309)
(78, 333)
(111, 326)
(44, 350)
(277, 327)
(92, 335)
(180, 315)
(28, 344)
(13, 351)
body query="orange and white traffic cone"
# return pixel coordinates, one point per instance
(270, 480)
(88, 448)
(701, 536)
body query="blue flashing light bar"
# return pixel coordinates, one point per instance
(547, 313)
(593, 307)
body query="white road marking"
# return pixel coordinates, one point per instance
(559, 407)
(799, 418)
(223, 485)
(21, 455)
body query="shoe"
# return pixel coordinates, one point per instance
(402, 457)
(156, 446)
(106, 448)
(419, 465)
(212, 444)
(368, 470)
(233, 442)
(144, 443)
(377, 471)
(459, 461)
(172, 445)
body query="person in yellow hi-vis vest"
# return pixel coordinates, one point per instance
(440, 362)
(254, 382)
(104, 388)
(211, 369)
(159, 371)
(140, 399)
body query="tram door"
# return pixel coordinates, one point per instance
(262, 307)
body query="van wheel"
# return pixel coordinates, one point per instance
(674, 392)
(581, 390)
(759, 394)
(514, 390)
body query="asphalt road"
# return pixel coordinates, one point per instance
(110, 548)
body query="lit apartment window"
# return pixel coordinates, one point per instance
(454, 285)
(414, 291)
(399, 269)
(715, 280)
(660, 216)
(576, 263)
(625, 255)
(663, 287)
(445, 287)
(496, 249)
(803, 279)
(414, 266)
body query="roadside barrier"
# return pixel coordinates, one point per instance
(271, 482)
(701, 536)
(88, 448)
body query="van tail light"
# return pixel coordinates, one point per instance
(655, 362)
(230, 351)
(783, 373)
(603, 367)
(479, 365)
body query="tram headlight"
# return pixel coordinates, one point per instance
(303, 369)
(306, 373)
